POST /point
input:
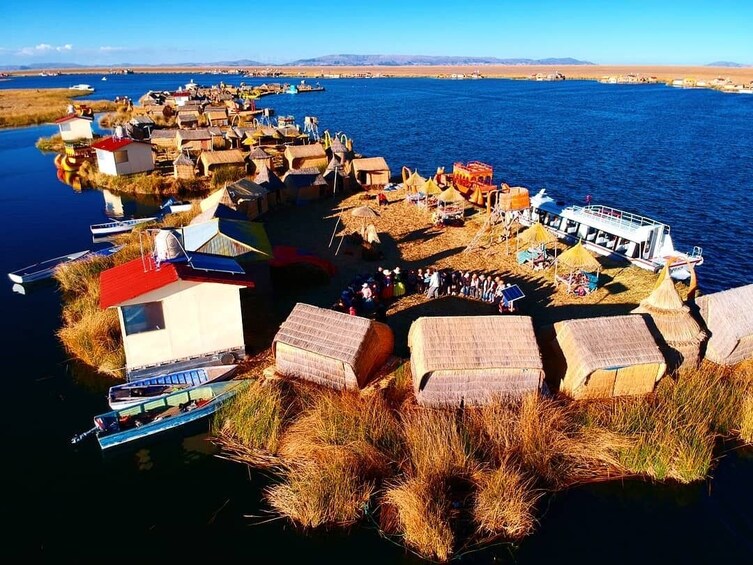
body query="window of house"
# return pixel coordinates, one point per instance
(65, 127)
(121, 156)
(146, 317)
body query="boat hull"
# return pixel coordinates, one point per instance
(112, 228)
(219, 395)
(44, 270)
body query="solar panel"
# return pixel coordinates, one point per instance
(204, 262)
(512, 293)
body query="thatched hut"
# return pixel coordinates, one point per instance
(331, 348)
(579, 264)
(306, 156)
(371, 172)
(183, 167)
(209, 161)
(729, 318)
(679, 335)
(470, 360)
(608, 356)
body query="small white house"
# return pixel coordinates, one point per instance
(123, 156)
(173, 312)
(73, 127)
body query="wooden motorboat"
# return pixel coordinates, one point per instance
(140, 390)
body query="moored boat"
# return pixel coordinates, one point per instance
(44, 269)
(159, 415)
(642, 241)
(140, 390)
(84, 87)
(118, 226)
(175, 206)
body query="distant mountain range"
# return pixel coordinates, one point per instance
(727, 64)
(327, 61)
(424, 60)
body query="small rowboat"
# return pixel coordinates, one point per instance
(158, 415)
(118, 226)
(175, 206)
(134, 392)
(44, 269)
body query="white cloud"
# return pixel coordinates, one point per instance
(44, 48)
(109, 49)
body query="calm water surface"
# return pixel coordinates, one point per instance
(682, 156)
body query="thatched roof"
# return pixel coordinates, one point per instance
(450, 195)
(182, 159)
(536, 234)
(431, 188)
(258, 153)
(415, 181)
(305, 151)
(267, 178)
(193, 134)
(228, 157)
(729, 318)
(164, 133)
(370, 164)
(608, 343)
(471, 359)
(337, 146)
(578, 257)
(299, 178)
(669, 313)
(312, 338)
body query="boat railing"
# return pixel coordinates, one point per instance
(616, 217)
(697, 252)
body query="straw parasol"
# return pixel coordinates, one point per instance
(431, 188)
(577, 258)
(450, 196)
(674, 323)
(414, 182)
(536, 234)
(364, 212)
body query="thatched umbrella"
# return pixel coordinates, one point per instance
(577, 258)
(537, 235)
(431, 188)
(413, 182)
(676, 326)
(450, 196)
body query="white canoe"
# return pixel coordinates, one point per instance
(118, 226)
(44, 269)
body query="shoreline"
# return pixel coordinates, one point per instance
(582, 72)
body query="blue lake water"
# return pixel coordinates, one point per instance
(684, 157)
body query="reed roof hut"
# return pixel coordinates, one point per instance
(211, 160)
(371, 172)
(450, 196)
(678, 333)
(183, 167)
(729, 318)
(608, 356)
(470, 360)
(330, 348)
(306, 157)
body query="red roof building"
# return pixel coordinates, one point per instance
(174, 313)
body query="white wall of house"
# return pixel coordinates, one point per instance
(199, 318)
(133, 158)
(77, 128)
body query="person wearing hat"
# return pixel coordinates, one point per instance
(397, 279)
(388, 290)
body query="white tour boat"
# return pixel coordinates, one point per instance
(84, 87)
(614, 233)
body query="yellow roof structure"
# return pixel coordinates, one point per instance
(414, 181)
(536, 234)
(450, 195)
(579, 258)
(478, 197)
(431, 188)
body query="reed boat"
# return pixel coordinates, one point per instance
(152, 417)
(174, 206)
(140, 390)
(614, 233)
(118, 226)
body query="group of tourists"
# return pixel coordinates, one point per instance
(448, 282)
(368, 295)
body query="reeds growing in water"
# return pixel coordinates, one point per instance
(442, 480)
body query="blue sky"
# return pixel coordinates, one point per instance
(604, 31)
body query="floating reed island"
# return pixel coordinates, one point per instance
(443, 416)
